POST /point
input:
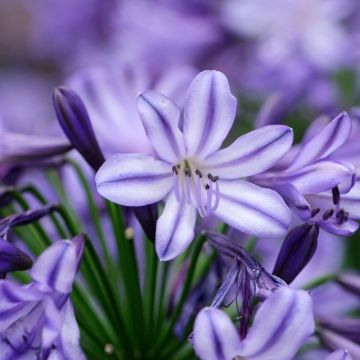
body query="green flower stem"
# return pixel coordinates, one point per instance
(130, 276)
(164, 337)
(95, 214)
(150, 289)
(320, 281)
(162, 295)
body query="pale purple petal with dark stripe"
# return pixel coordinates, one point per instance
(68, 344)
(174, 228)
(53, 321)
(252, 209)
(335, 227)
(339, 355)
(160, 117)
(281, 325)
(325, 142)
(209, 113)
(251, 153)
(318, 177)
(134, 179)
(335, 341)
(215, 337)
(295, 200)
(351, 282)
(57, 266)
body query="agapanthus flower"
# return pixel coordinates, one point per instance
(192, 173)
(316, 185)
(37, 319)
(281, 325)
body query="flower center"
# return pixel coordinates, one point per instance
(194, 187)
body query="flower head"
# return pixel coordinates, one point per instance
(192, 173)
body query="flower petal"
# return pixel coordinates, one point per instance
(330, 138)
(174, 228)
(209, 113)
(283, 322)
(318, 177)
(160, 117)
(57, 266)
(215, 337)
(12, 258)
(339, 355)
(251, 153)
(332, 226)
(252, 209)
(134, 179)
(335, 341)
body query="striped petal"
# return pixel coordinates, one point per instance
(174, 228)
(330, 138)
(281, 325)
(252, 209)
(160, 117)
(339, 355)
(57, 266)
(215, 337)
(251, 153)
(134, 179)
(209, 113)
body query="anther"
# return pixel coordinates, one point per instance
(314, 212)
(198, 173)
(328, 214)
(187, 172)
(340, 214)
(335, 195)
(174, 170)
(215, 179)
(207, 187)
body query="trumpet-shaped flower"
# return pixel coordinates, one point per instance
(37, 320)
(192, 173)
(281, 325)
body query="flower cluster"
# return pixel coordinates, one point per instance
(177, 212)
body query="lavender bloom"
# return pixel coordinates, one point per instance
(296, 251)
(312, 30)
(38, 319)
(74, 120)
(311, 172)
(190, 171)
(281, 325)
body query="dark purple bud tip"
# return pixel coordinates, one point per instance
(12, 258)
(75, 122)
(296, 251)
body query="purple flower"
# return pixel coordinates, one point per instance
(281, 325)
(314, 184)
(38, 319)
(192, 173)
(339, 355)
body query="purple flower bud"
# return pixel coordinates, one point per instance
(75, 122)
(23, 218)
(296, 251)
(12, 258)
(351, 282)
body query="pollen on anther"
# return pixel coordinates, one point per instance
(328, 214)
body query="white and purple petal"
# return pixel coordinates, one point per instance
(252, 209)
(215, 337)
(174, 228)
(160, 117)
(57, 266)
(329, 139)
(134, 179)
(251, 153)
(209, 113)
(281, 325)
